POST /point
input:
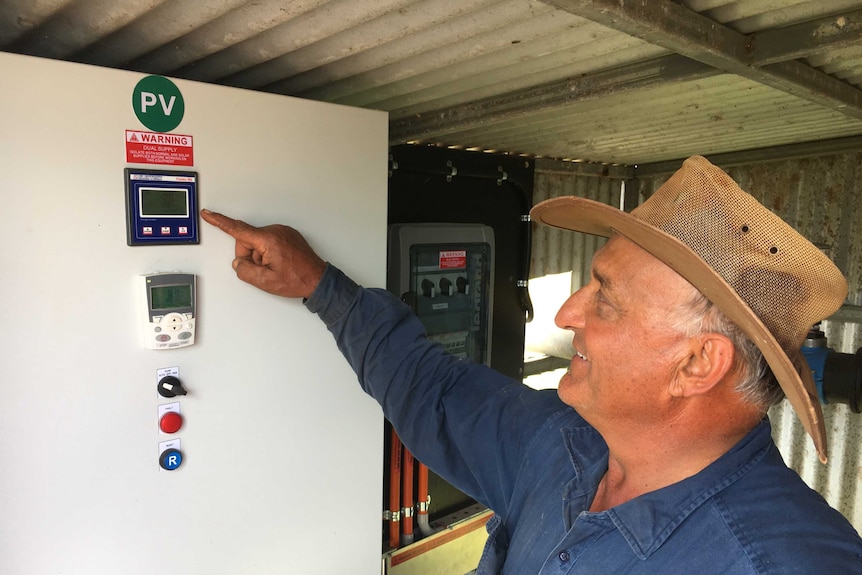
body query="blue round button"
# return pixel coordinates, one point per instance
(170, 459)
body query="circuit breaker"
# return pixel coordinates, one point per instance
(445, 273)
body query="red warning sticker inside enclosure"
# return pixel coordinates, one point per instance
(156, 148)
(453, 260)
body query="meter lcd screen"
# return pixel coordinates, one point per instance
(170, 297)
(164, 202)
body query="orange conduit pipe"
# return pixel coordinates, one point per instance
(407, 498)
(424, 500)
(394, 490)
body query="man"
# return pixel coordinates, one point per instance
(655, 455)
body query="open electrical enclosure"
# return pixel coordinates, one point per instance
(459, 249)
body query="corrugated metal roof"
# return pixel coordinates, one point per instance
(719, 113)
(603, 80)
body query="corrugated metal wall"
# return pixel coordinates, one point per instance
(556, 251)
(822, 198)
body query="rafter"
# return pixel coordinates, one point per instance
(784, 152)
(548, 96)
(808, 38)
(677, 28)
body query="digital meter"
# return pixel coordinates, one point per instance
(161, 207)
(169, 303)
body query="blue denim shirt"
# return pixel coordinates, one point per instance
(536, 463)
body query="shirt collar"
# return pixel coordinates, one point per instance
(648, 520)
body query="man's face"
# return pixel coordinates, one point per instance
(627, 350)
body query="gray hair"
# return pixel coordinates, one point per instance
(757, 385)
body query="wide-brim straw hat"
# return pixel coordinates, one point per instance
(762, 274)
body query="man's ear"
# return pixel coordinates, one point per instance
(710, 358)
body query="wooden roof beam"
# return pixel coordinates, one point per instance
(547, 96)
(688, 33)
(807, 39)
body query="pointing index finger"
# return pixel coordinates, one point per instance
(235, 228)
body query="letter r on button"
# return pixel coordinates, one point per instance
(171, 459)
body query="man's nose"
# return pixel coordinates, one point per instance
(571, 314)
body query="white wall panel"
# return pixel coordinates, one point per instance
(282, 467)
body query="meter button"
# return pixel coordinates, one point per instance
(171, 422)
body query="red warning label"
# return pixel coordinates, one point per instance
(453, 260)
(156, 148)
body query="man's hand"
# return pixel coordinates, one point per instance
(276, 258)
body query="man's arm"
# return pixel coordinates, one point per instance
(466, 421)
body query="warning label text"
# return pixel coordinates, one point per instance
(156, 148)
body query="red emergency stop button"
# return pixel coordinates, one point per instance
(171, 422)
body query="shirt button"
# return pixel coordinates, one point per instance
(564, 556)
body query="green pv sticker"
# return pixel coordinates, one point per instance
(158, 103)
